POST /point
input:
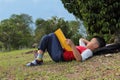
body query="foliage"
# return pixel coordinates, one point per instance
(15, 32)
(1, 46)
(100, 17)
(70, 29)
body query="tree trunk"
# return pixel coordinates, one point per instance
(117, 37)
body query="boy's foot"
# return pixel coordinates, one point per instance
(35, 63)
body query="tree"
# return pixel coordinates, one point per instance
(74, 31)
(6, 33)
(70, 29)
(100, 17)
(15, 32)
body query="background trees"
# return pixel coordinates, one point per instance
(100, 17)
(15, 32)
(70, 29)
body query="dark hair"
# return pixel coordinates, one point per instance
(112, 48)
(101, 41)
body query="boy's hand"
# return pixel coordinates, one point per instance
(69, 42)
(76, 53)
(85, 41)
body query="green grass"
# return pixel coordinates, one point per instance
(12, 67)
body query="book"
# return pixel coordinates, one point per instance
(62, 39)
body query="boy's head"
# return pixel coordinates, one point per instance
(96, 42)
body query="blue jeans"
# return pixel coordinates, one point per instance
(52, 45)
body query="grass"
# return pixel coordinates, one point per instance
(12, 67)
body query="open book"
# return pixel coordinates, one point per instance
(62, 39)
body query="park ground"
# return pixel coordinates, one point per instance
(12, 67)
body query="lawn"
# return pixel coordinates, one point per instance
(12, 67)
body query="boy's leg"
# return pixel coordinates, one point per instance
(41, 49)
(54, 48)
(51, 43)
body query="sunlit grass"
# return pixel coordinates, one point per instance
(12, 67)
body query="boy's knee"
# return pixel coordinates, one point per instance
(48, 36)
(45, 37)
(51, 34)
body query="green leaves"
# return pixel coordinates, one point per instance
(70, 29)
(101, 17)
(15, 32)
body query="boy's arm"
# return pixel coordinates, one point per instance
(86, 54)
(84, 40)
(76, 53)
(81, 43)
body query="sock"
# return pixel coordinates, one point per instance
(39, 56)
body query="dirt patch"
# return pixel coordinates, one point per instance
(31, 52)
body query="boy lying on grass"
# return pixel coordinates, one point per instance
(57, 53)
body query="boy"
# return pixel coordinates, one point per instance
(57, 53)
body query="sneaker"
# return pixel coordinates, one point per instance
(35, 63)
